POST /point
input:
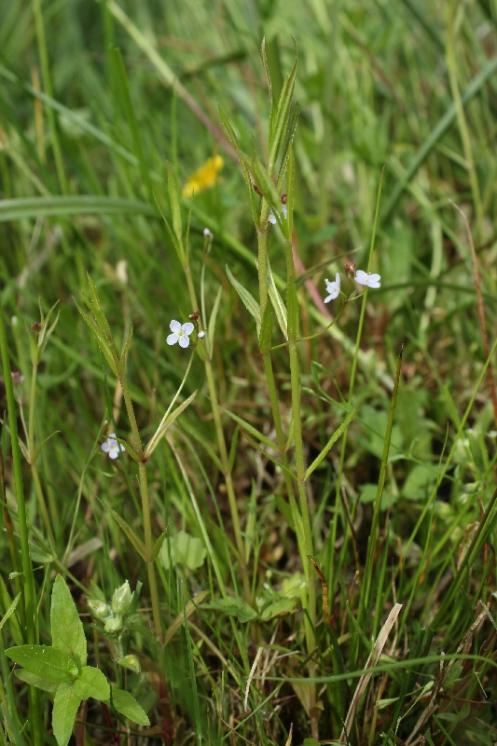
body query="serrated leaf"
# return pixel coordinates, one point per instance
(126, 705)
(182, 549)
(45, 661)
(65, 708)
(246, 297)
(66, 627)
(92, 683)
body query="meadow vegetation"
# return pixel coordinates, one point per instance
(233, 512)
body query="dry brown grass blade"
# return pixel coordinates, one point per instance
(370, 663)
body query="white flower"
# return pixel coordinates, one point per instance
(332, 288)
(201, 335)
(180, 333)
(367, 279)
(207, 233)
(272, 218)
(112, 447)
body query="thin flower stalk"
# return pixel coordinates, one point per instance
(221, 443)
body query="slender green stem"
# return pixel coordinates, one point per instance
(146, 510)
(306, 549)
(29, 594)
(49, 520)
(331, 569)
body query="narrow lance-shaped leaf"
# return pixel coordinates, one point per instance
(211, 330)
(130, 534)
(329, 445)
(246, 297)
(166, 422)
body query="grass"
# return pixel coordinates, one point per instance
(306, 505)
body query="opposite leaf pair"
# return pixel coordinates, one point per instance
(61, 669)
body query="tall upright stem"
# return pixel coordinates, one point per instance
(29, 595)
(146, 510)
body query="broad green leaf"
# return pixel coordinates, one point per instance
(92, 683)
(55, 666)
(65, 708)
(294, 586)
(279, 607)
(182, 549)
(246, 297)
(234, 607)
(33, 680)
(420, 481)
(66, 626)
(126, 705)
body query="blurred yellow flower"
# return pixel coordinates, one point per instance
(205, 177)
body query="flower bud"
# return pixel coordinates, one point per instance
(99, 609)
(131, 662)
(121, 599)
(114, 624)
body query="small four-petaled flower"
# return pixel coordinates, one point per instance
(370, 280)
(180, 333)
(112, 447)
(332, 288)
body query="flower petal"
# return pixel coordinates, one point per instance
(105, 446)
(272, 218)
(328, 298)
(374, 281)
(184, 341)
(172, 339)
(175, 326)
(187, 328)
(114, 453)
(337, 280)
(361, 277)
